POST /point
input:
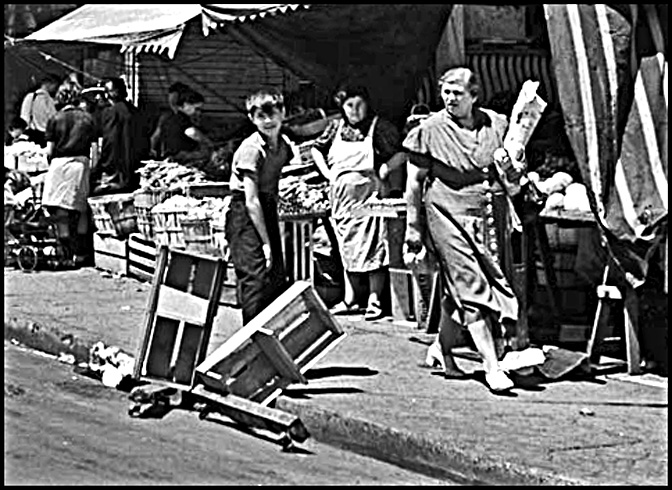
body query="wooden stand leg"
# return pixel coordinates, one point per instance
(630, 312)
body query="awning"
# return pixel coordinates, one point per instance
(135, 27)
(216, 15)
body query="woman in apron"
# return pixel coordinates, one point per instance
(356, 154)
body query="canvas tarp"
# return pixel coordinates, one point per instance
(386, 47)
(611, 69)
(134, 27)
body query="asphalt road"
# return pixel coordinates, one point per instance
(62, 428)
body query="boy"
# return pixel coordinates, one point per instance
(252, 225)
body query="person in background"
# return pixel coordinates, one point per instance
(252, 224)
(456, 156)
(179, 133)
(69, 135)
(356, 154)
(38, 107)
(174, 92)
(125, 142)
(17, 131)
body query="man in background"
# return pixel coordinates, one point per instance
(125, 142)
(38, 107)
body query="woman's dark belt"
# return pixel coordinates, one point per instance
(457, 180)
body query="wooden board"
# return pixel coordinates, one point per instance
(110, 253)
(245, 366)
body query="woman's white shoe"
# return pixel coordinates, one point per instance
(498, 381)
(435, 357)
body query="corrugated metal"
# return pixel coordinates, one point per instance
(219, 67)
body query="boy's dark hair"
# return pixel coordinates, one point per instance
(189, 96)
(178, 87)
(18, 123)
(264, 98)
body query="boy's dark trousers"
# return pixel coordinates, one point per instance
(259, 286)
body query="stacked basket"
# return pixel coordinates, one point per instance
(144, 200)
(114, 214)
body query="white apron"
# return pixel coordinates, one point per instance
(362, 240)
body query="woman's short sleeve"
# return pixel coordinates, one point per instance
(386, 139)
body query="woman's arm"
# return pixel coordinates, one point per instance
(396, 161)
(197, 135)
(321, 163)
(414, 186)
(253, 205)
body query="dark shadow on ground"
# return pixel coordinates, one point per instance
(231, 424)
(304, 393)
(332, 371)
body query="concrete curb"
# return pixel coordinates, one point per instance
(400, 447)
(413, 451)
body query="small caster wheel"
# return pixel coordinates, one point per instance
(27, 258)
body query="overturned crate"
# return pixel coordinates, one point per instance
(243, 375)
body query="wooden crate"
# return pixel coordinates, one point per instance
(275, 349)
(141, 257)
(297, 246)
(111, 253)
(178, 321)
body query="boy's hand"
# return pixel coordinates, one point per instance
(267, 255)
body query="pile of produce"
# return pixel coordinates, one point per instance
(213, 208)
(31, 156)
(169, 175)
(299, 197)
(563, 193)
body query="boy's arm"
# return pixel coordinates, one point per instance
(253, 205)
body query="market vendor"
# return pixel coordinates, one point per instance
(180, 135)
(174, 92)
(252, 223)
(125, 142)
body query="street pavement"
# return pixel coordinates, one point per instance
(370, 395)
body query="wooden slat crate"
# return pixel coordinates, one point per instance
(111, 253)
(141, 257)
(179, 316)
(275, 349)
(297, 247)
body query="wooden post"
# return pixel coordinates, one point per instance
(631, 326)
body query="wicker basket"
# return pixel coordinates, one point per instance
(114, 214)
(167, 227)
(144, 200)
(198, 236)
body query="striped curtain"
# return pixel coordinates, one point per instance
(614, 99)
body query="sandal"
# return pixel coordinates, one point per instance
(343, 308)
(498, 381)
(373, 311)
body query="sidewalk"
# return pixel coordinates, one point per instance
(369, 395)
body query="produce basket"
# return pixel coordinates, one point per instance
(198, 236)
(167, 227)
(114, 214)
(144, 200)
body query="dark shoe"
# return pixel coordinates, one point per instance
(343, 308)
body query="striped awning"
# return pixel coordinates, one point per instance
(135, 27)
(611, 70)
